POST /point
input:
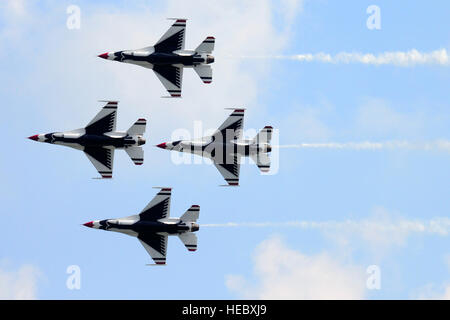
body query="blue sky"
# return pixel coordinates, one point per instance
(387, 207)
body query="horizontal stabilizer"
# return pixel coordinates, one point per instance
(204, 72)
(207, 46)
(191, 215)
(189, 240)
(264, 136)
(138, 128)
(262, 160)
(136, 154)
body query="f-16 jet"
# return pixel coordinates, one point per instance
(153, 225)
(168, 57)
(226, 147)
(99, 139)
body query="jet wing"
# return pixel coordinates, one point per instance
(102, 159)
(231, 129)
(158, 208)
(156, 246)
(189, 239)
(229, 169)
(173, 39)
(105, 120)
(171, 78)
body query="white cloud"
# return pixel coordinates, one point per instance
(19, 284)
(284, 273)
(446, 295)
(433, 292)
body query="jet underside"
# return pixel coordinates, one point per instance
(146, 227)
(90, 140)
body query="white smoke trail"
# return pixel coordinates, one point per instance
(439, 145)
(397, 58)
(438, 226)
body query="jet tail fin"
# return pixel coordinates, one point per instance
(207, 46)
(138, 128)
(191, 215)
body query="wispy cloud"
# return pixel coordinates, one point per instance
(18, 284)
(409, 58)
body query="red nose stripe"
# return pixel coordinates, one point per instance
(89, 224)
(35, 137)
(103, 55)
(162, 145)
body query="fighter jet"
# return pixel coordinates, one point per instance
(99, 139)
(168, 57)
(226, 147)
(153, 225)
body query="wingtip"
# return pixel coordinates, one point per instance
(178, 19)
(163, 188)
(241, 109)
(110, 101)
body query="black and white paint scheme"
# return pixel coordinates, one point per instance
(99, 139)
(153, 225)
(226, 147)
(167, 58)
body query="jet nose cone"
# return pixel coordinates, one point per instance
(89, 224)
(35, 137)
(103, 55)
(162, 145)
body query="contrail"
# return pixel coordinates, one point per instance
(439, 145)
(439, 226)
(397, 58)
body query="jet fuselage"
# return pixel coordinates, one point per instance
(150, 58)
(216, 149)
(127, 226)
(112, 139)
